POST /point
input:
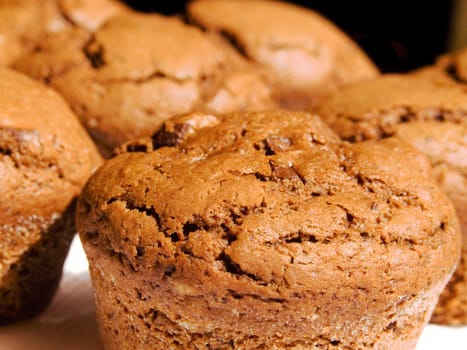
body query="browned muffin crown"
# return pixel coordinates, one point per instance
(264, 230)
(380, 107)
(429, 111)
(139, 69)
(45, 158)
(308, 54)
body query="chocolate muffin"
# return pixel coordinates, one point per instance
(139, 69)
(429, 112)
(308, 54)
(265, 231)
(45, 158)
(24, 22)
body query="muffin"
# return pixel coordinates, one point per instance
(429, 112)
(24, 22)
(139, 69)
(308, 55)
(45, 158)
(265, 231)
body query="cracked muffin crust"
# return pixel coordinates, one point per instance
(24, 22)
(45, 158)
(265, 231)
(139, 69)
(429, 112)
(308, 55)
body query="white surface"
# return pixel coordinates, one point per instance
(69, 324)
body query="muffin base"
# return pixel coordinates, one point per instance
(30, 283)
(129, 317)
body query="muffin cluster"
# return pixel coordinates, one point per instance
(264, 187)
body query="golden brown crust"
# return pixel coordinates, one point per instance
(309, 55)
(429, 111)
(123, 83)
(264, 230)
(45, 158)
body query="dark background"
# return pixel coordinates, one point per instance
(398, 34)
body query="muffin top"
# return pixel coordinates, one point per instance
(424, 109)
(139, 69)
(308, 54)
(258, 202)
(45, 154)
(24, 22)
(383, 106)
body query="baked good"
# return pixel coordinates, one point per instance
(265, 231)
(308, 54)
(45, 158)
(24, 22)
(123, 83)
(430, 112)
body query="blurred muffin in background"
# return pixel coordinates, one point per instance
(45, 158)
(24, 22)
(308, 54)
(137, 70)
(428, 110)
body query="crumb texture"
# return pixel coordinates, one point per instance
(265, 231)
